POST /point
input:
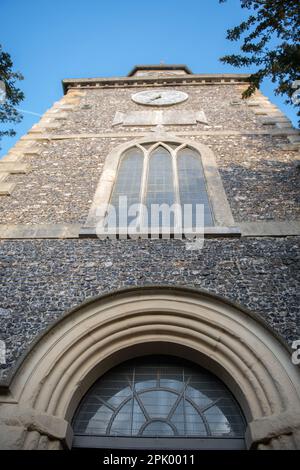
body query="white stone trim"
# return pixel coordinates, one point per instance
(52, 118)
(263, 106)
(270, 228)
(140, 134)
(13, 163)
(39, 231)
(159, 117)
(158, 81)
(73, 231)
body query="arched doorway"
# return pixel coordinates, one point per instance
(233, 344)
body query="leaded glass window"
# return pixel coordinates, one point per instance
(192, 185)
(160, 184)
(128, 183)
(159, 396)
(155, 175)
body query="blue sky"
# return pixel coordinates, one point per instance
(54, 39)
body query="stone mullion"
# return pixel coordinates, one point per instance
(144, 191)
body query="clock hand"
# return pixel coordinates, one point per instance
(156, 97)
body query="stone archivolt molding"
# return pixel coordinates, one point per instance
(60, 367)
(132, 133)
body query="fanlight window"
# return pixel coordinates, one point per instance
(159, 175)
(159, 396)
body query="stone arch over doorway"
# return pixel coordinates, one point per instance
(236, 345)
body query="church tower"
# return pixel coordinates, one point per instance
(149, 268)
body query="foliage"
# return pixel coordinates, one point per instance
(270, 41)
(13, 95)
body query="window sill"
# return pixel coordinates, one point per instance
(209, 232)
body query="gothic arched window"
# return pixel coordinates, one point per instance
(155, 175)
(159, 397)
(129, 181)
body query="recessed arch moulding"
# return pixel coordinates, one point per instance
(39, 401)
(216, 192)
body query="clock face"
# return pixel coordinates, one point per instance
(159, 97)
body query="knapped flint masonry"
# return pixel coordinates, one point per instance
(205, 335)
